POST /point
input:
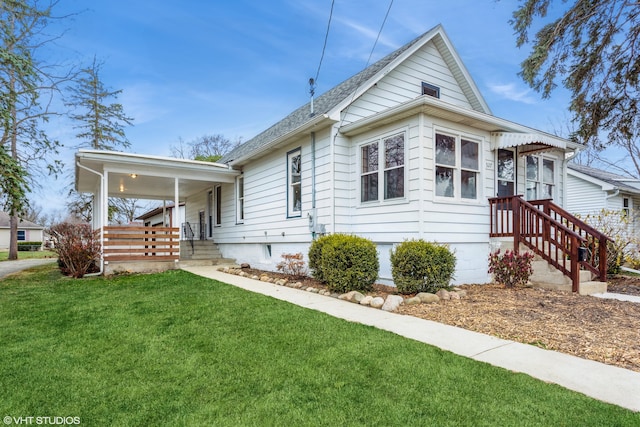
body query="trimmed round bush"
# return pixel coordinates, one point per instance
(348, 263)
(420, 266)
(315, 250)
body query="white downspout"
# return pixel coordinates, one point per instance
(102, 189)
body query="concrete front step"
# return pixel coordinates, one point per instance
(205, 262)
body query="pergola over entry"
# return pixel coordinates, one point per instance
(114, 174)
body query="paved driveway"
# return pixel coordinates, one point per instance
(8, 267)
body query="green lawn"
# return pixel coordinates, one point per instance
(4, 254)
(177, 349)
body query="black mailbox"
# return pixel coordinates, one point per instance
(583, 254)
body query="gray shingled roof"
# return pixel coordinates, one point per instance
(608, 177)
(4, 222)
(322, 105)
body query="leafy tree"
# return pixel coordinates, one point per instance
(27, 87)
(592, 46)
(101, 124)
(207, 148)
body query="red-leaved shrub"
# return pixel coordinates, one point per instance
(78, 248)
(511, 269)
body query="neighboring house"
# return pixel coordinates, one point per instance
(162, 216)
(407, 148)
(590, 191)
(27, 231)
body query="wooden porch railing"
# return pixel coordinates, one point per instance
(124, 243)
(555, 235)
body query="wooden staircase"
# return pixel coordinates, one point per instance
(563, 242)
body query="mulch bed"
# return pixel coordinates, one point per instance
(593, 328)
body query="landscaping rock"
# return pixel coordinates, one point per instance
(454, 296)
(377, 302)
(353, 296)
(245, 265)
(366, 300)
(412, 301)
(281, 282)
(461, 292)
(443, 294)
(312, 290)
(264, 278)
(392, 303)
(428, 298)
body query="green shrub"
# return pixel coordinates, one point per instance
(420, 266)
(29, 246)
(348, 263)
(315, 250)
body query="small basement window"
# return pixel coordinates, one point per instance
(431, 90)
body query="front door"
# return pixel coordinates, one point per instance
(506, 173)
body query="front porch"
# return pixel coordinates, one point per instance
(112, 174)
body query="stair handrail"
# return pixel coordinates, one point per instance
(525, 224)
(188, 235)
(597, 259)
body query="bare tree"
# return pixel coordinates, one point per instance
(208, 148)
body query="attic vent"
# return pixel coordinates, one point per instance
(431, 90)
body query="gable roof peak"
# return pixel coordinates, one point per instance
(334, 100)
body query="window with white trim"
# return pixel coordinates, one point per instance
(218, 206)
(457, 169)
(626, 207)
(388, 152)
(294, 183)
(541, 177)
(240, 200)
(506, 173)
(22, 235)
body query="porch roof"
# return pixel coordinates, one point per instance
(529, 142)
(146, 177)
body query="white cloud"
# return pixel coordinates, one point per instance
(511, 92)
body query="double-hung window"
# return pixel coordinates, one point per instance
(506, 173)
(383, 162)
(294, 183)
(457, 168)
(240, 200)
(540, 178)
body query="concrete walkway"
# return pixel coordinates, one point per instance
(603, 382)
(10, 267)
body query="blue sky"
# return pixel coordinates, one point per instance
(234, 68)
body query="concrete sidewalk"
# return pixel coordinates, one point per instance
(603, 382)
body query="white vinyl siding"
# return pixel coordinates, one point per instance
(404, 83)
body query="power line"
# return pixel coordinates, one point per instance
(353, 95)
(312, 82)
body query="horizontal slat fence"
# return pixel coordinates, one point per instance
(127, 243)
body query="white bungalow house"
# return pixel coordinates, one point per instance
(407, 148)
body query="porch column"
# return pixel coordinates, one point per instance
(176, 207)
